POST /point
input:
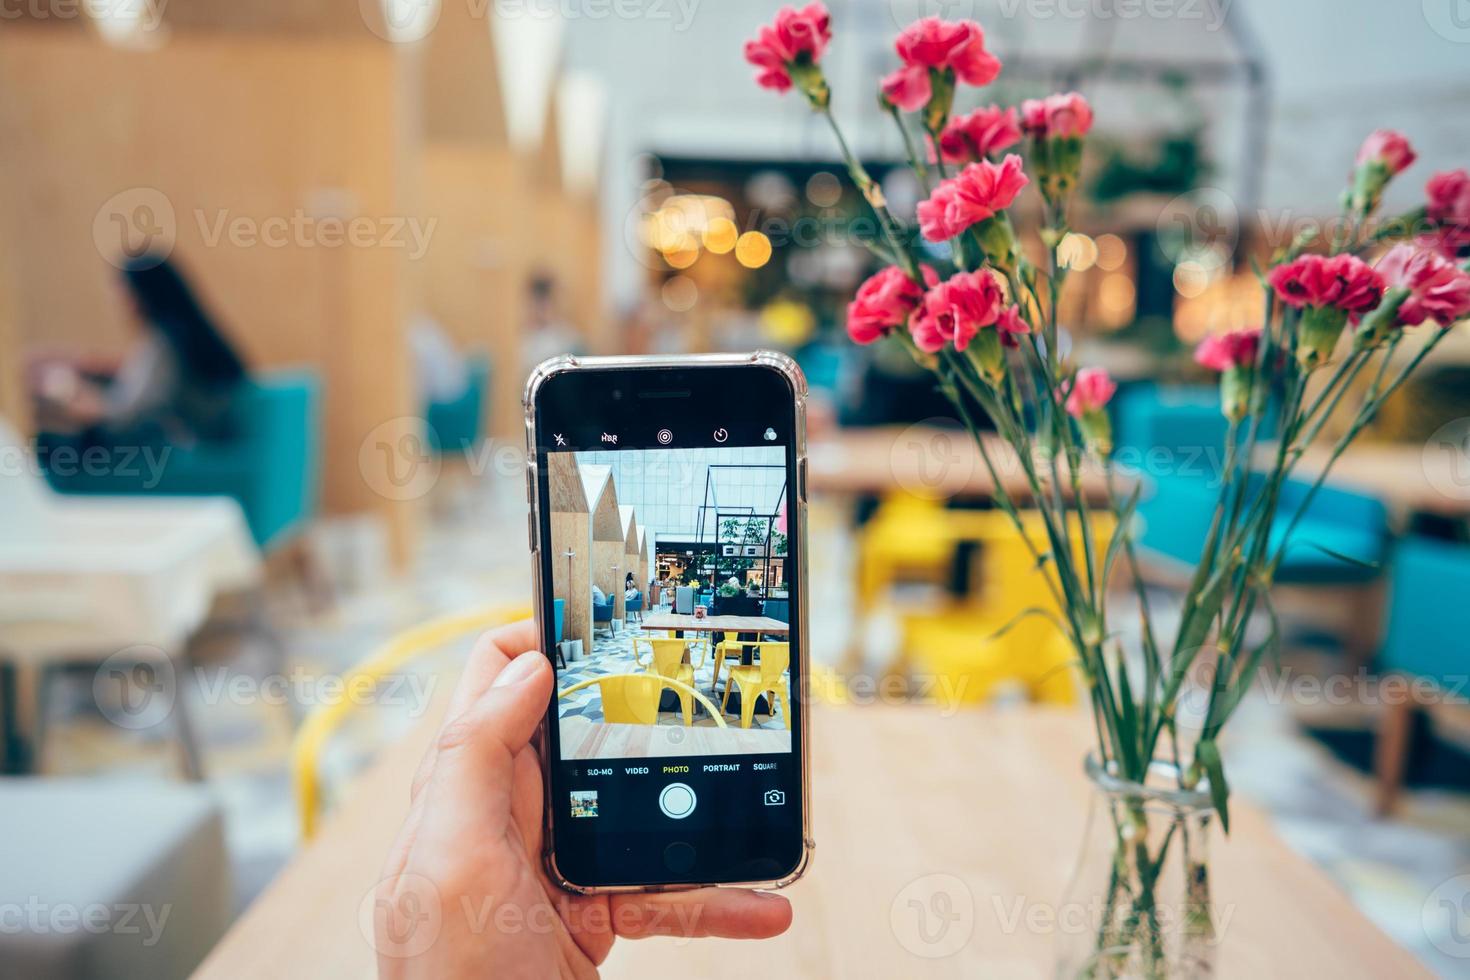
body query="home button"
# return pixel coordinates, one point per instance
(679, 857)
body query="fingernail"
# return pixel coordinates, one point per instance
(517, 670)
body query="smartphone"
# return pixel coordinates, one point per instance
(668, 544)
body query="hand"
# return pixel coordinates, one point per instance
(463, 891)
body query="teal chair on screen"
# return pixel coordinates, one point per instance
(454, 426)
(1424, 652)
(271, 466)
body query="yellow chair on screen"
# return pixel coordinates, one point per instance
(767, 677)
(632, 699)
(666, 660)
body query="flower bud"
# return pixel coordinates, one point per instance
(1317, 335)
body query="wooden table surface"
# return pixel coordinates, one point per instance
(710, 624)
(583, 739)
(926, 461)
(986, 806)
(1428, 479)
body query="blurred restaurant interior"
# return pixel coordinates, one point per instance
(391, 210)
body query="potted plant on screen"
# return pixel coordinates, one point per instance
(1346, 318)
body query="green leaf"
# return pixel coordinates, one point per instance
(1207, 754)
(1120, 532)
(1025, 614)
(1195, 627)
(1348, 559)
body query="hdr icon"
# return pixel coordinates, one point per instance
(609, 438)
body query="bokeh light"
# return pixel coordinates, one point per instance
(680, 294)
(721, 235)
(753, 250)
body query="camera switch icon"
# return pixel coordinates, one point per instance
(774, 797)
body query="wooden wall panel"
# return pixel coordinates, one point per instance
(228, 132)
(474, 274)
(571, 530)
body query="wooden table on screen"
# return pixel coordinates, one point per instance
(927, 461)
(711, 624)
(994, 798)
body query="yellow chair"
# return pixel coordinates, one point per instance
(632, 699)
(957, 645)
(728, 650)
(960, 662)
(666, 660)
(767, 677)
(361, 680)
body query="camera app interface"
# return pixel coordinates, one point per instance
(671, 593)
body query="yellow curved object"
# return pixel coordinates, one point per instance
(767, 677)
(635, 697)
(400, 649)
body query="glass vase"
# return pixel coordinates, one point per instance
(1139, 904)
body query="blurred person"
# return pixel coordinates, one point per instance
(439, 368)
(174, 383)
(473, 835)
(546, 334)
(630, 588)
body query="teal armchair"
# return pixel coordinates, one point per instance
(455, 426)
(271, 466)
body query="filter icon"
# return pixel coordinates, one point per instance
(770, 435)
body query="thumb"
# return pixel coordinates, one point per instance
(471, 785)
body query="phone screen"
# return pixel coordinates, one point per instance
(669, 552)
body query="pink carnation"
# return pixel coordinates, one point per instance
(978, 192)
(1344, 282)
(1438, 289)
(955, 310)
(941, 45)
(1449, 207)
(980, 134)
(1089, 392)
(1389, 148)
(1066, 116)
(883, 302)
(793, 34)
(1223, 351)
(1010, 324)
